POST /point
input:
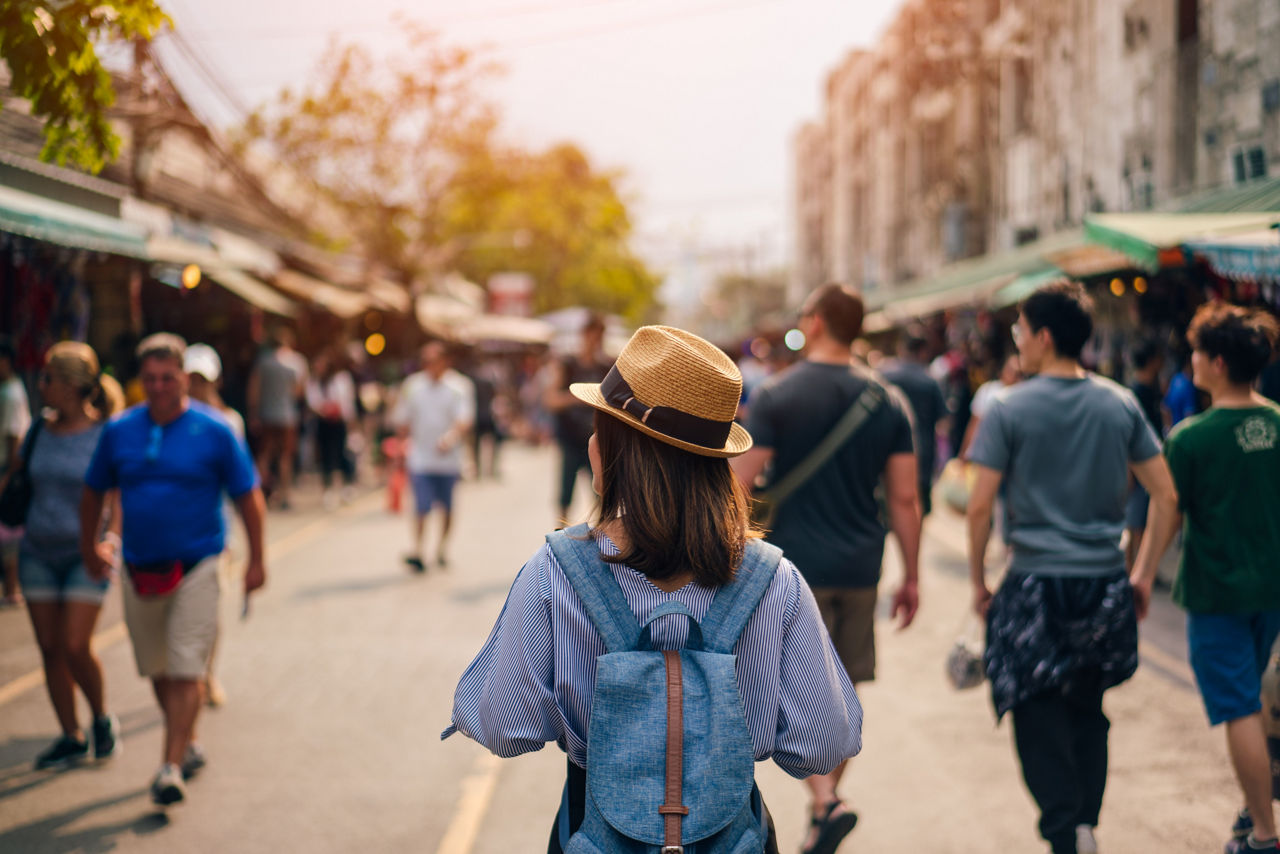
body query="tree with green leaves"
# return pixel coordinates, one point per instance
(48, 46)
(406, 149)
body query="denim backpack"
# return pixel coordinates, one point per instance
(660, 783)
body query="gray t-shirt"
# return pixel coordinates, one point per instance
(57, 465)
(280, 373)
(1064, 447)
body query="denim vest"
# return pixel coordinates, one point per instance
(627, 738)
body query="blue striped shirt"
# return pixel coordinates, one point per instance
(534, 678)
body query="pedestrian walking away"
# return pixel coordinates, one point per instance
(1147, 361)
(277, 385)
(668, 588)
(1226, 466)
(928, 406)
(803, 421)
(15, 421)
(435, 411)
(172, 460)
(331, 398)
(204, 375)
(573, 420)
(64, 594)
(1062, 628)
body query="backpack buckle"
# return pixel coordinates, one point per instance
(673, 849)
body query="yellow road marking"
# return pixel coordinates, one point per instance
(115, 633)
(477, 791)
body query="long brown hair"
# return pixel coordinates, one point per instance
(77, 365)
(682, 512)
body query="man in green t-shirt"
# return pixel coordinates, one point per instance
(1226, 465)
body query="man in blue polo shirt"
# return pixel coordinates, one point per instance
(172, 460)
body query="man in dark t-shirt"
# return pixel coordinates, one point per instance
(830, 526)
(928, 405)
(1147, 361)
(574, 420)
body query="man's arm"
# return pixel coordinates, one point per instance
(902, 493)
(556, 396)
(253, 511)
(1163, 521)
(982, 501)
(748, 466)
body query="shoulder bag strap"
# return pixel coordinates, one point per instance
(28, 446)
(734, 603)
(866, 404)
(579, 557)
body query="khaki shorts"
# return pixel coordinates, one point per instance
(850, 615)
(174, 635)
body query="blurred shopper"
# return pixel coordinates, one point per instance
(204, 373)
(277, 382)
(486, 434)
(64, 595)
(1147, 361)
(830, 524)
(1226, 464)
(172, 460)
(1010, 375)
(663, 428)
(331, 397)
(1062, 628)
(15, 421)
(1180, 400)
(572, 417)
(434, 412)
(909, 374)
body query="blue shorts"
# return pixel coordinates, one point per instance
(1229, 653)
(432, 489)
(58, 581)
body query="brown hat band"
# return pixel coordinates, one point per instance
(693, 429)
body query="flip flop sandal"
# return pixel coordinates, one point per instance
(831, 831)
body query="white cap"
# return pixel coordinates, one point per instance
(203, 360)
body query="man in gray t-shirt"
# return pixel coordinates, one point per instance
(276, 385)
(1062, 628)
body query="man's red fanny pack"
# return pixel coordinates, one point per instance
(158, 579)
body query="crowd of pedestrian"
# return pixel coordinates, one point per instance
(1085, 481)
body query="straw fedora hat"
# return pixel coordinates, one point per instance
(677, 388)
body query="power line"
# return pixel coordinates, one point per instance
(206, 69)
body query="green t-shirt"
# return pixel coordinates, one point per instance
(1226, 464)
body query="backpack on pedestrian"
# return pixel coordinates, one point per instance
(670, 766)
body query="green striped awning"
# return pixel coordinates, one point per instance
(1142, 236)
(67, 225)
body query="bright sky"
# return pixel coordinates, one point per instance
(696, 100)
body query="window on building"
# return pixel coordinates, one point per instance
(1188, 20)
(1257, 162)
(1021, 96)
(1271, 96)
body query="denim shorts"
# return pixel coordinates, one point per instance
(432, 489)
(1229, 653)
(58, 580)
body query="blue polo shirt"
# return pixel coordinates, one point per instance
(171, 479)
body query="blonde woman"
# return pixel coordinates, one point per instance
(63, 597)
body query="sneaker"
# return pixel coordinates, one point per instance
(1243, 824)
(193, 759)
(63, 752)
(106, 739)
(415, 563)
(1242, 846)
(168, 788)
(1085, 843)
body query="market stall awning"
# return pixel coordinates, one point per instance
(442, 316)
(340, 302)
(506, 329)
(1025, 285)
(253, 291)
(1253, 255)
(391, 294)
(972, 281)
(67, 225)
(1145, 236)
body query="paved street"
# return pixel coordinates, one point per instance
(342, 677)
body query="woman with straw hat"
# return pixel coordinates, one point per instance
(672, 528)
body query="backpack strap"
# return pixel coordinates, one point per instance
(579, 557)
(737, 601)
